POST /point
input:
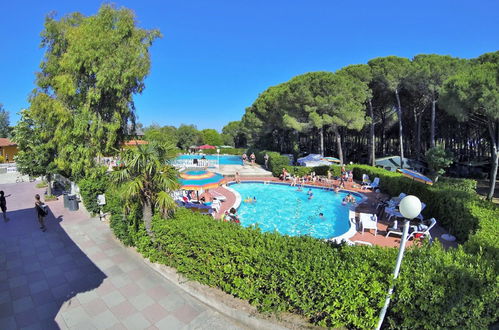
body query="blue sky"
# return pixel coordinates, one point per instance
(217, 56)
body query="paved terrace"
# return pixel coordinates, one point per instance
(77, 276)
(369, 206)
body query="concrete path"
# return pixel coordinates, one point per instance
(76, 276)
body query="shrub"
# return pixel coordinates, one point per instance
(277, 273)
(335, 285)
(440, 289)
(331, 285)
(450, 206)
(42, 184)
(91, 186)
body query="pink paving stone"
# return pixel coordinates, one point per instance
(153, 327)
(157, 293)
(136, 274)
(123, 310)
(117, 326)
(95, 307)
(130, 290)
(186, 313)
(98, 256)
(155, 313)
(119, 258)
(105, 288)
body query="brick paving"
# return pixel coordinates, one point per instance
(77, 276)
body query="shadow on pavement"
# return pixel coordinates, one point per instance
(40, 272)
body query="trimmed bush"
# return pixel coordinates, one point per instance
(450, 205)
(332, 286)
(341, 286)
(90, 187)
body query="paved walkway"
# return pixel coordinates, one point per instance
(76, 276)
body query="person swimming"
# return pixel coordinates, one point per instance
(349, 199)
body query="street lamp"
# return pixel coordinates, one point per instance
(410, 207)
(218, 157)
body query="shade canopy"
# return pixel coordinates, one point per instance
(415, 176)
(197, 180)
(206, 146)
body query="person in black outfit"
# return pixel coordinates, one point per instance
(3, 206)
(40, 212)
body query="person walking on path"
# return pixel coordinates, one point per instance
(41, 212)
(3, 205)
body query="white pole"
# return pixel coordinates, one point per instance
(396, 272)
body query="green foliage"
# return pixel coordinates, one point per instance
(42, 184)
(467, 185)
(276, 161)
(4, 122)
(274, 272)
(2, 159)
(438, 160)
(147, 180)
(331, 285)
(162, 135)
(95, 183)
(84, 98)
(212, 137)
(440, 289)
(451, 207)
(187, 136)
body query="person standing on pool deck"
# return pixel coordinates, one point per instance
(252, 157)
(40, 212)
(3, 206)
(245, 158)
(266, 158)
(236, 178)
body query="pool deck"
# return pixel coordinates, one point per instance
(367, 207)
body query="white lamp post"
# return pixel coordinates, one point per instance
(218, 156)
(410, 207)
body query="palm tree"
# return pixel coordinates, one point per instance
(147, 179)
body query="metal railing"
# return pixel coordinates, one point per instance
(196, 163)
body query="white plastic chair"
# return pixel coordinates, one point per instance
(365, 179)
(425, 232)
(369, 221)
(394, 213)
(373, 185)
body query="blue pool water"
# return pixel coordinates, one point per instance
(283, 209)
(224, 159)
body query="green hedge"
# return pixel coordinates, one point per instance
(91, 186)
(332, 286)
(276, 161)
(448, 201)
(342, 286)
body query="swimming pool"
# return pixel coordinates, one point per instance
(224, 159)
(283, 209)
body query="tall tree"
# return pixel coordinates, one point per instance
(187, 135)
(92, 68)
(475, 93)
(163, 135)
(36, 150)
(212, 137)
(147, 179)
(327, 99)
(4, 122)
(391, 71)
(362, 72)
(427, 76)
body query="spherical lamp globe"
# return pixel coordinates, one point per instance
(410, 207)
